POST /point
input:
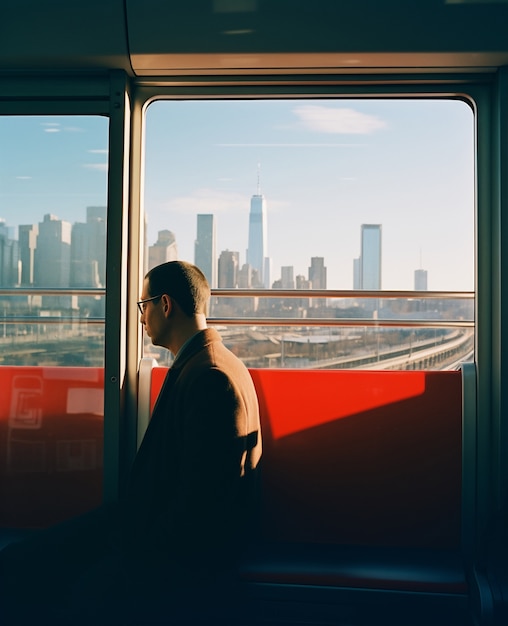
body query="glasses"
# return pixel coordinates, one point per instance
(141, 303)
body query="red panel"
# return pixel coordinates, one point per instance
(360, 457)
(51, 443)
(158, 375)
(295, 400)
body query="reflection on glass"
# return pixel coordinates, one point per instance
(53, 191)
(53, 239)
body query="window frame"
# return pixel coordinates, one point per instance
(322, 88)
(102, 95)
(124, 101)
(487, 93)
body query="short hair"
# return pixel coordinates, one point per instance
(183, 282)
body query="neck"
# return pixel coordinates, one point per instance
(187, 328)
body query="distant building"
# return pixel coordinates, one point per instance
(52, 262)
(287, 279)
(204, 248)
(370, 259)
(245, 277)
(9, 257)
(317, 273)
(302, 283)
(163, 250)
(53, 253)
(228, 269)
(257, 249)
(88, 250)
(267, 272)
(420, 280)
(27, 235)
(357, 282)
(84, 269)
(96, 217)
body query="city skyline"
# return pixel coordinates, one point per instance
(74, 255)
(326, 167)
(54, 252)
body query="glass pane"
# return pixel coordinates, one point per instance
(318, 194)
(53, 192)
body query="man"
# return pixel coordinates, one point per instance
(191, 496)
(190, 504)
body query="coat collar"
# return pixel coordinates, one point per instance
(200, 340)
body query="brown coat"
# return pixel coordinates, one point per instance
(191, 500)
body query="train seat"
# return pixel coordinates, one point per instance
(367, 567)
(361, 491)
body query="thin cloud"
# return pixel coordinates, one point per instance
(56, 127)
(51, 127)
(335, 120)
(288, 145)
(102, 167)
(23, 178)
(98, 151)
(207, 201)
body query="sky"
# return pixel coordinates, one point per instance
(324, 166)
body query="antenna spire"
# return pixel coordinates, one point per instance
(259, 179)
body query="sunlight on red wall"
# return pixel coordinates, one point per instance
(301, 399)
(304, 399)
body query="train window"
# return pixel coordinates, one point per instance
(336, 233)
(53, 191)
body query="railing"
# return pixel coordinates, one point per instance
(49, 319)
(311, 294)
(57, 291)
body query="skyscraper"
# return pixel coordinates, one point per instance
(257, 250)
(317, 273)
(52, 266)
(420, 280)
(302, 283)
(204, 248)
(267, 273)
(88, 250)
(9, 257)
(27, 234)
(96, 223)
(228, 269)
(245, 277)
(287, 277)
(370, 259)
(356, 274)
(163, 250)
(53, 253)
(84, 269)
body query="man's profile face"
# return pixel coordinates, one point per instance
(152, 318)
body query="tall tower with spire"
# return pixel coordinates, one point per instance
(257, 250)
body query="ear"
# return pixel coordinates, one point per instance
(167, 305)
